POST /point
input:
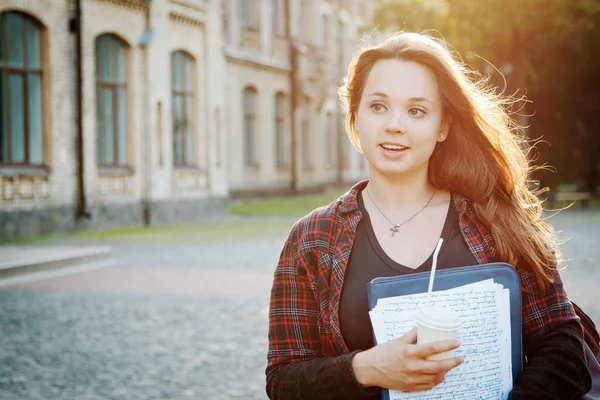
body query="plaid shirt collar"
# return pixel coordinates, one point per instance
(348, 204)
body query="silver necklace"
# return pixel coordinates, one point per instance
(396, 227)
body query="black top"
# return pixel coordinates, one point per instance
(369, 261)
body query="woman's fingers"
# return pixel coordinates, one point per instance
(409, 338)
(437, 366)
(428, 349)
(404, 365)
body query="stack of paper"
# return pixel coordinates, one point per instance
(484, 310)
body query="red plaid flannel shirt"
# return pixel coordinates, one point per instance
(308, 358)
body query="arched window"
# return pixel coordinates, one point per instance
(250, 128)
(330, 140)
(182, 93)
(305, 132)
(111, 100)
(21, 90)
(280, 132)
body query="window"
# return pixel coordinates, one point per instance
(248, 13)
(182, 95)
(330, 140)
(341, 44)
(302, 22)
(111, 100)
(344, 148)
(21, 90)
(250, 128)
(306, 150)
(278, 20)
(325, 31)
(225, 18)
(280, 134)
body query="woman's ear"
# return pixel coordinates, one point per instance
(445, 128)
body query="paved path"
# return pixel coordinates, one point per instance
(161, 324)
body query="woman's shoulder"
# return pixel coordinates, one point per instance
(324, 222)
(318, 221)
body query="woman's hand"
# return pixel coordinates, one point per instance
(402, 365)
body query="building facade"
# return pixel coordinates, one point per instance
(324, 35)
(124, 112)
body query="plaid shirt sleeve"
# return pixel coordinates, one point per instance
(552, 342)
(296, 367)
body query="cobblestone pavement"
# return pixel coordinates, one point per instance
(176, 321)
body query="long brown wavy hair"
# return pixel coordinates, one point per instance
(484, 157)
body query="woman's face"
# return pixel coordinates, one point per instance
(399, 118)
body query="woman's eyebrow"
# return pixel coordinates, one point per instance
(414, 99)
(379, 94)
(423, 99)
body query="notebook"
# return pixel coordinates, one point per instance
(484, 294)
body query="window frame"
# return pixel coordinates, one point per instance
(330, 140)
(188, 95)
(250, 118)
(307, 159)
(24, 71)
(281, 155)
(113, 86)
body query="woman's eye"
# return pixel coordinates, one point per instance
(416, 112)
(378, 107)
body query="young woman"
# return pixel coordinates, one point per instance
(443, 162)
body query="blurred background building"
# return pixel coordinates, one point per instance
(122, 112)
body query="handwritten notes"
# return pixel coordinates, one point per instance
(484, 310)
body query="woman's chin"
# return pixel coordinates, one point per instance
(396, 169)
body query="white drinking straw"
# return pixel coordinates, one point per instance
(433, 266)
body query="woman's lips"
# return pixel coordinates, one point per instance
(393, 151)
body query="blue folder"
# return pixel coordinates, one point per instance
(502, 273)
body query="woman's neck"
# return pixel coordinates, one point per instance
(397, 194)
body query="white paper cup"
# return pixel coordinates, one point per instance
(435, 324)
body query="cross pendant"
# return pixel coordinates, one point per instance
(395, 229)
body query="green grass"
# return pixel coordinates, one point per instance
(284, 209)
(35, 239)
(286, 206)
(209, 232)
(567, 187)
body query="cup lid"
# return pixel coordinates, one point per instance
(440, 318)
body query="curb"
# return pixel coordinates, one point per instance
(28, 259)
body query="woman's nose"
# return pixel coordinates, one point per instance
(395, 124)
